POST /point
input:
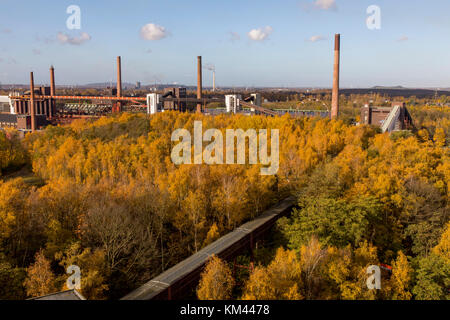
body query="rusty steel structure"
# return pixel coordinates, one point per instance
(335, 91)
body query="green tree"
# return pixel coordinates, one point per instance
(432, 279)
(334, 222)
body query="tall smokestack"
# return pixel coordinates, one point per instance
(335, 93)
(33, 117)
(214, 80)
(52, 82)
(52, 91)
(119, 77)
(199, 82)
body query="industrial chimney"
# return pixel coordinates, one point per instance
(119, 77)
(335, 92)
(52, 81)
(52, 91)
(199, 83)
(33, 117)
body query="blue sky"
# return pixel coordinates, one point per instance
(412, 48)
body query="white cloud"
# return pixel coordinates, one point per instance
(152, 31)
(260, 34)
(325, 4)
(64, 38)
(316, 38)
(403, 39)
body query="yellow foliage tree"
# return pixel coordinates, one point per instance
(280, 280)
(401, 278)
(442, 249)
(216, 281)
(439, 137)
(92, 266)
(40, 279)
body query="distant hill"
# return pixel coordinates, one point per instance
(383, 87)
(398, 92)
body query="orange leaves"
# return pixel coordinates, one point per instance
(40, 278)
(401, 278)
(216, 281)
(280, 280)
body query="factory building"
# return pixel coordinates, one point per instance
(42, 106)
(232, 103)
(6, 105)
(175, 93)
(8, 118)
(389, 119)
(15, 113)
(154, 104)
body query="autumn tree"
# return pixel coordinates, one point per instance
(440, 137)
(280, 280)
(442, 249)
(92, 267)
(216, 282)
(401, 278)
(40, 279)
(433, 272)
(110, 187)
(11, 280)
(313, 258)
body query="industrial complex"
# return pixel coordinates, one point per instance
(40, 106)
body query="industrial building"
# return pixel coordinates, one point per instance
(390, 119)
(8, 118)
(232, 103)
(44, 101)
(175, 93)
(43, 106)
(6, 105)
(15, 109)
(16, 113)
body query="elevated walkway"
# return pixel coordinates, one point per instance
(179, 280)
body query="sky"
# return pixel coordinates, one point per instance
(265, 43)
